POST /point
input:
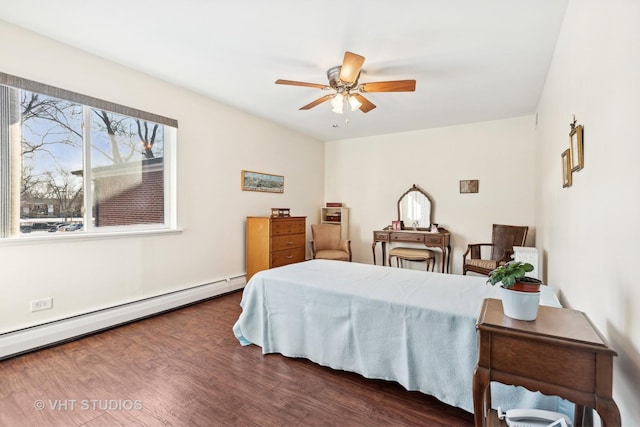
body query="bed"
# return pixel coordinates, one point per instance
(413, 327)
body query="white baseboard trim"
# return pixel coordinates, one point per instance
(33, 338)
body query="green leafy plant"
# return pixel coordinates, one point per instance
(510, 273)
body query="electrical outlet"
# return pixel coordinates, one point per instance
(41, 304)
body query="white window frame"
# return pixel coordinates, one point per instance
(169, 224)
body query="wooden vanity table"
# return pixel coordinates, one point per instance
(415, 208)
(440, 240)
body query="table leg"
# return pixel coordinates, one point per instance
(384, 253)
(373, 249)
(608, 411)
(578, 415)
(480, 385)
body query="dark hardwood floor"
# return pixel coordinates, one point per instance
(186, 368)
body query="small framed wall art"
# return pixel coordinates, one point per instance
(469, 186)
(576, 146)
(566, 168)
(257, 181)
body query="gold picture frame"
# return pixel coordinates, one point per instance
(566, 168)
(264, 182)
(577, 148)
(469, 185)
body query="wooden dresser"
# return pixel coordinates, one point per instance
(273, 242)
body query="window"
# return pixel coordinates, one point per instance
(71, 163)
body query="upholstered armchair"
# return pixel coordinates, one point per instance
(327, 243)
(503, 239)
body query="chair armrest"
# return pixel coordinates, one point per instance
(345, 245)
(507, 256)
(474, 249)
(313, 249)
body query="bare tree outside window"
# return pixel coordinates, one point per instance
(51, 148)
(52, 170)
(120, 139)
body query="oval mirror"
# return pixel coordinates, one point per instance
(415, 209)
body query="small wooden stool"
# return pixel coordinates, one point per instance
(413, 254)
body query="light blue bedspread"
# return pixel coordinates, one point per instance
(409, 326)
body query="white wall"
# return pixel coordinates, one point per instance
(370, 174)
(215, 143)
(589, 232)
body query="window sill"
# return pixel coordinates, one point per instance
(75, 236)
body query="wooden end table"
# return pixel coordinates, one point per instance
(560, 353)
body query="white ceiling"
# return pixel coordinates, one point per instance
(473, 60)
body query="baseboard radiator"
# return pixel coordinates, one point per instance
(36, 337)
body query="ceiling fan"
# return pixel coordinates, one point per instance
(343, 81)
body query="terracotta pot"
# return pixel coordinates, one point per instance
(526, 287)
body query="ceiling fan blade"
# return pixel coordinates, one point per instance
(392, 86)
(351, 65)
(294, 83)
(366, 104)
(317, 101)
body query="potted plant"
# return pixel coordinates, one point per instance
(520, 294)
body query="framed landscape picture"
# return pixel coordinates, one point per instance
(264, 182)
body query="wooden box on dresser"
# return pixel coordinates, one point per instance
(273, 242)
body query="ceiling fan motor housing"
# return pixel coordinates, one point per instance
(333, 75)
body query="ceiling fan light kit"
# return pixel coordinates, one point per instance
(354, 103)
(343, 80)
(337, 103)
